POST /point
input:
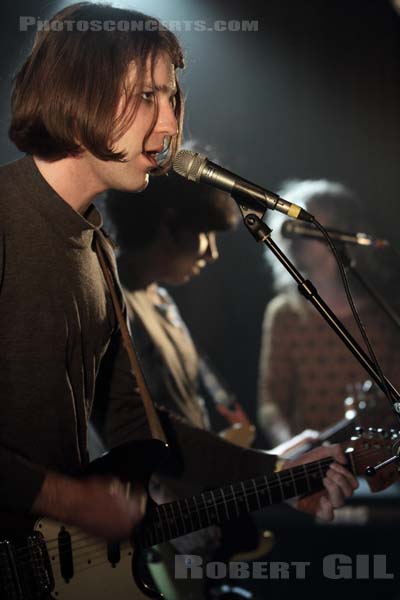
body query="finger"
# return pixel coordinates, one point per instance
(137, 504)
(321, 452)
(115, 487)
(335, 494)
(340, 481)
(346, 473)
(337, 453)
(325, 510)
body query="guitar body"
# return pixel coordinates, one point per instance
(61, 561)
(94, 576)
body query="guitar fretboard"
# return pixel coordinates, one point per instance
(174, 519)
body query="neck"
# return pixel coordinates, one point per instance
(72, 179)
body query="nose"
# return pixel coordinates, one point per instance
(166, 120)
(210, 252)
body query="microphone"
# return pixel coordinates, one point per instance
(198, 168)
(305, 230)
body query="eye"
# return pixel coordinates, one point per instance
(148, 96)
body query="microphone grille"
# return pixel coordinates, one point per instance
(287, 228)
(189, 164)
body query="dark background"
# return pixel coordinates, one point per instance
(313, 93)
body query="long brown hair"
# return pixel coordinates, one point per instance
(66, 94)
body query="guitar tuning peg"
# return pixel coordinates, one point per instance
(371, 432)
(367, 386)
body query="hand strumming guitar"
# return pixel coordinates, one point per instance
(100, 506)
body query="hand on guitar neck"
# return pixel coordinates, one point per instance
(101, 506)
(339, 482)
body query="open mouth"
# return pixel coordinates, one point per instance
(154, 155)
(151, 156)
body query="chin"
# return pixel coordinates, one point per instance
(178, 279)
(135, 183)
(144, 184)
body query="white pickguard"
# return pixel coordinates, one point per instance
(94, 577)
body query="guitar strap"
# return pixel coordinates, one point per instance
(156, 429)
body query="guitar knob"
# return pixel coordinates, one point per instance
(359, 430)
(371, 429)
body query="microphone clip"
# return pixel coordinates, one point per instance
(248, 209)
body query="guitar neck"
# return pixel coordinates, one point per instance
(334, 433)
(174, 519)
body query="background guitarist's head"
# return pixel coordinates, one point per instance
(169, 235)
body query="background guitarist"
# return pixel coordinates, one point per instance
(178, 242)
(305, 372)
(58, 333)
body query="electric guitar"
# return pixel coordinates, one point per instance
(61, 562)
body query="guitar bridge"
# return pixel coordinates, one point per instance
(25, 570)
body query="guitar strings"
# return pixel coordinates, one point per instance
(284, 477)
(98, 543)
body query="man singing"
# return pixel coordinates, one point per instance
(91, 110)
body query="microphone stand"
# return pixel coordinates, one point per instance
(262, 233)
(351, 265)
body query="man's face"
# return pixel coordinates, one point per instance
(133, 175)
(188, 253)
